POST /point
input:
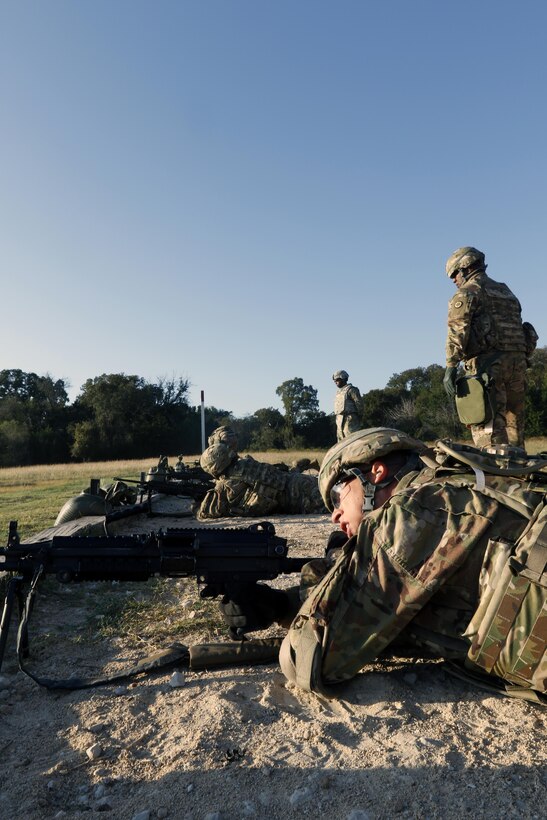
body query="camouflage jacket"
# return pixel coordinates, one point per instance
(483, 316)
(347, 401)
(410, 581)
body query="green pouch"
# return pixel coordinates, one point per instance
(472, 399)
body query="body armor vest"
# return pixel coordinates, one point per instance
(497, 322)
(343, 403)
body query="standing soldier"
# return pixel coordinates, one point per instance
(486, 334)
(348, 406)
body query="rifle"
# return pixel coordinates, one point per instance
(190, 481)
(225, 560)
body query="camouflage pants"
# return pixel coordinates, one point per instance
(507, 391)
(346, 423)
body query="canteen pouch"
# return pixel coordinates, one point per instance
(473, 400)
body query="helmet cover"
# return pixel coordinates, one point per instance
(362, 448)
(463, 258)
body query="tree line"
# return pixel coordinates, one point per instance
(119, 416)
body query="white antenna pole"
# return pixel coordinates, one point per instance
(202, 421)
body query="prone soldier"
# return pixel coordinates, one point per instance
(248, 487)
(441, 559)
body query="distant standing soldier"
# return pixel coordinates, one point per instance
(348, 406)
(486, 334)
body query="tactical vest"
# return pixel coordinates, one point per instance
(343, 403)
(496, 323)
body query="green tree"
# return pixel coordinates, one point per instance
(269, 432)
(536, 394)
(414, 401)
(127, 417)
(301, 407)
(33, 417)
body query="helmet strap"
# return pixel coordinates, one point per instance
(369, 489)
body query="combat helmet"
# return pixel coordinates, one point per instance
(225, 435)
(358, 449)
(216, 459)
(463, 258)
(340, 374)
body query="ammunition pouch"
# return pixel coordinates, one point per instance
(509, 627)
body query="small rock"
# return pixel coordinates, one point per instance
(97, 728)
(300, 796)
(190, 788)
(248, 809)
(51, 785)
(176, 679)
(142, 815)
(358, 814)
(161, 813)
(99, 791)
(94, 751)
(120, 690)
(103, 804)
(59, 815)
(213, 815)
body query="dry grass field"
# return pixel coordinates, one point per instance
(34, 495)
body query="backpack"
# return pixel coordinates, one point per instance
(508, 631)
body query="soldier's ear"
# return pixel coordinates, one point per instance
(378, 472)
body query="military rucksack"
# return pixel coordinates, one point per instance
(508, 631)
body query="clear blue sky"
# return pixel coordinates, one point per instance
(240, 192)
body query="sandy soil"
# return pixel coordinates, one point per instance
(402, 740)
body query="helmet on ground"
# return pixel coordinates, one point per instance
(340, 374)
(362, 448)
(82, 505)
(463, 258)
(225, 435)
(216, 459)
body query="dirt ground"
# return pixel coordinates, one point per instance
(402, 740)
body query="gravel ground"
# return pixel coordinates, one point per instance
(402, 740)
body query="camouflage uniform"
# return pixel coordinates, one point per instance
(348, 410)
(418, 580)
(253, 488)
(485, 331)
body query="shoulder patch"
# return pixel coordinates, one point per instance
(460, 304)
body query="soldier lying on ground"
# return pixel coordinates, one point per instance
(433, 567)
(248, 487)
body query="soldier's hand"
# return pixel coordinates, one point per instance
(255, 606)
(449, 381)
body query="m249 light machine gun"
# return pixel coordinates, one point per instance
(223, 560)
